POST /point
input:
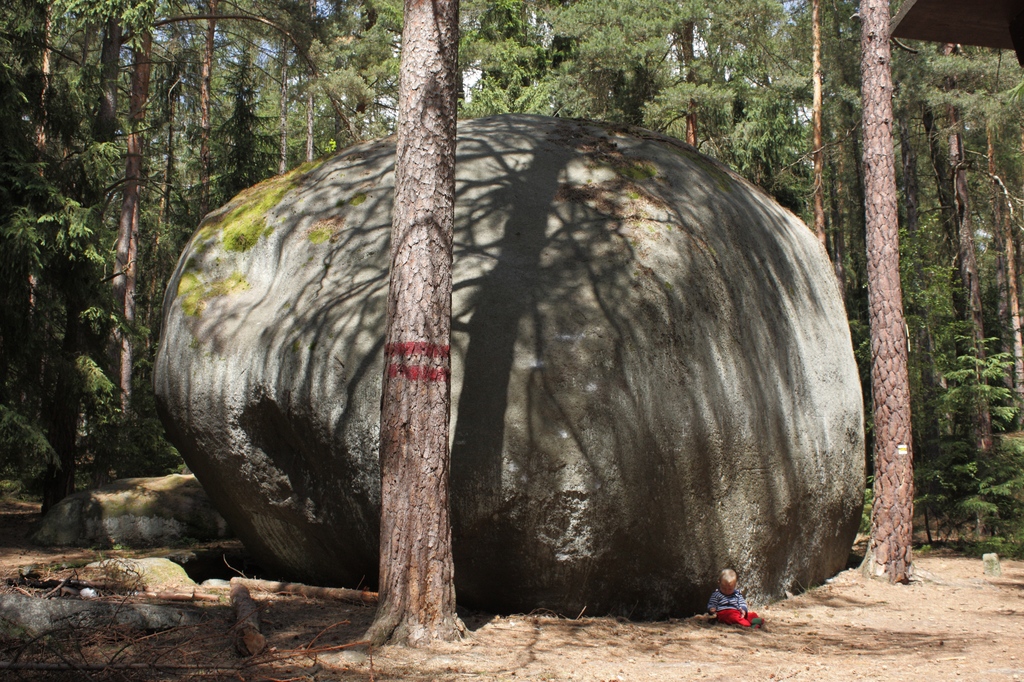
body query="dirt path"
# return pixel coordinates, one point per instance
(956, 624)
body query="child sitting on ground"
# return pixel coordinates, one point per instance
(727, 603)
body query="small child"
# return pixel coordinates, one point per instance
(727, 603)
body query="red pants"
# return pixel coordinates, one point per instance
(735, 617)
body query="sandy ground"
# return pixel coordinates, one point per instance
(956, 623)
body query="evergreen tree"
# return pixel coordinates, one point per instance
(245, 148)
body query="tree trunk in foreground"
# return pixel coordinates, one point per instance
(889, 549)
(417, 590)
(127, 269)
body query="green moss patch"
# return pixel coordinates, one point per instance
(326, 230)
(357, 199)
(242, 226)
(196, 294)
(638, 170)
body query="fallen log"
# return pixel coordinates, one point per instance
(249, 641)
(32, 616)
(337, 593)
(180, 596)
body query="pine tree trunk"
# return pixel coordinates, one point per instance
(156, 269)
(910, 188)
(205, 77)
(309, 100)
(309, 125)
(1010, 292)
(62, 409)
(816, 153)
(999, 235)
(417, 592)
(968, 265)
(282, 122)
(889, 549)
(44, 94)
(126, 266)
(943, 185)
(691, 77)
(110, 66)
(927, 446)
(838, 245)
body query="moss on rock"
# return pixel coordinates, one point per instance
(196, 293)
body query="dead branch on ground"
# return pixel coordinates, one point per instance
(337, 593)
(249, 641)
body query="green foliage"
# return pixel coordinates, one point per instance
(974, 494)
(247, 147)
(24, 449)
(865, 512)
(503, 55)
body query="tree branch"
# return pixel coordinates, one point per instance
(277, 27)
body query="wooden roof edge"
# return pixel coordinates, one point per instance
(904, 9)
(1016, 28)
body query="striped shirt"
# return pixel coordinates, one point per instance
(721, 602)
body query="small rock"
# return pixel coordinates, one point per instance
(992, 567)
(152, 573)
(215, 582)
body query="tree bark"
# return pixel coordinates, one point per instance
(968, 263)
(817, 156)
(205, 77)
(44, 94)
(165, 202)
(126, 266)
(999, 235)
(927, 446)
(249, 641)
(110, 67)
(311, 591)
(282, 122)
(417, 592)
(62, 408)
(889, 549)
(309, 99)
(691, 77)
(1009, 293)
(911, 193)
(838, 250)
(940, 163)
(310, 150)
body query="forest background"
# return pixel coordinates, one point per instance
(125, 121)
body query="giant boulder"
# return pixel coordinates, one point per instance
(652, 373)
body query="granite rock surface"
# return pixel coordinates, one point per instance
(652, 373)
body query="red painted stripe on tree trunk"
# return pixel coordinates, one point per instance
(418, 372)
(407, 348)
